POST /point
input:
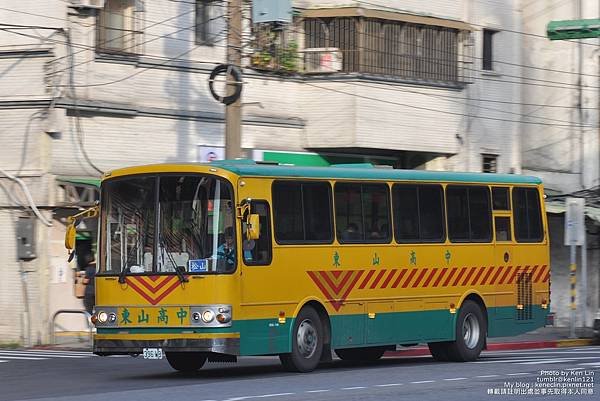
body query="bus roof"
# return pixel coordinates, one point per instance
(367, 171)
(346, 171)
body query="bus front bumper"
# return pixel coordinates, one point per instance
(113, 345)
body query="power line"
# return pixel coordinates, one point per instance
(447, 112)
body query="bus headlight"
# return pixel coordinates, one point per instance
(102, 317)
(223, 317)
(208, 316)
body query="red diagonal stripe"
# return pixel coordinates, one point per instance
(462, 272)
(479, 273)
(547, 277)
(444, 270)
(137, 289)
(468, 276)
(378, 278)
(388, 278)
(487, 275)
(416, 283)
(410, 276)
(512, 278)
(539, 276)
(402, 273)
(433, 271)
(167, 292)
(335, 288)
(500, 268)
(349, 288)
(366, 280)
(508, 269)
(152, 289)
(324, 290)
(533, 272)
(154, 278)
(336, 273)
(454, 269)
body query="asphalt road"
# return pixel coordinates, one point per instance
(41, 374)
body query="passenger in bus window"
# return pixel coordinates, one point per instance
(351, 233)
(226, 251)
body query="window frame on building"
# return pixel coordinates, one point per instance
(487, 49)
(118, 27)
(204, 18)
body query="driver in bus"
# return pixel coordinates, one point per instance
(226, 251)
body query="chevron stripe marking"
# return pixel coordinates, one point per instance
(389, 278)
(540, 274)
(468, 276)
(410, 276)
(399, 278)
(336, 273)
(499, 270)
(366, 280)
(433, 271)
(533, 272)
(462, 272)
(131, 281)
(440, 277)
(152, 289)
(454, 269)
(476, 278)
(487, 275)
(416, 283)
(378, 278)
(505, 275)
(517, 270)
(547, 277)
(332, 285)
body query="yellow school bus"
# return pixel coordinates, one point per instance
(207, 262)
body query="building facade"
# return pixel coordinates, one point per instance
(89, 86)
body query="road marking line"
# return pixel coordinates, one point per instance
(4, 353)
(353, 388)
(2, 361)
(389, 385)
(544, 361)
(273, 395)
(588, 364)
(456, 378)
(423, 381)
(518, 374)
(317, 391)
(25, 358)
(576, 368)
(486, 376)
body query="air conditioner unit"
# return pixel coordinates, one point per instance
(319, 60)
(87, 3)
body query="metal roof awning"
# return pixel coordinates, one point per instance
(79, 180)
(79, 191)
(557, 206)
(387, 15)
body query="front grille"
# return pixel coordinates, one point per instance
(524, 296)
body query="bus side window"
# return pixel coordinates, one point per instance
(258, 252)
(502, 228)
(528, 217)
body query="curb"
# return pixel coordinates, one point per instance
(521, 345)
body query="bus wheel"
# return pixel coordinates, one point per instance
(439, 351)
(360, 354)
(471, 331)
(186, 361)
(307, 342)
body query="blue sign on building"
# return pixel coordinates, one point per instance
(271, 11)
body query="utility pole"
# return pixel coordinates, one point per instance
(233, 112)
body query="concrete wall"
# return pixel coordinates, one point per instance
(562, 152)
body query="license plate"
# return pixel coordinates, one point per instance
(153, 353)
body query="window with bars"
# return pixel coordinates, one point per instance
(490, 164)
(117, 28)
(205, 22)
(395, 48)
(524, 297)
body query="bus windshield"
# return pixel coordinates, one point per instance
(157, 224)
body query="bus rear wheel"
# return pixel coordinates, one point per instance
(360, 354)
(471, 330)
(186, 361)
(307, 342)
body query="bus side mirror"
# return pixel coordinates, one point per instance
(70, 236)
(252, 226)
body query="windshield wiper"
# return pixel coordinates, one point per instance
(123, 274)
(178, 269)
